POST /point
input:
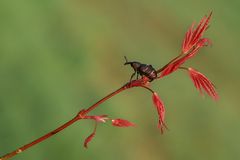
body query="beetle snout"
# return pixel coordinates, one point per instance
(127, 63)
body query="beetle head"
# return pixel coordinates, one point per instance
(134, 65)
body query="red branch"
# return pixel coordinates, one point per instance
(192, 43)
(79, 116)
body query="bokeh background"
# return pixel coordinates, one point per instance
(60, 56)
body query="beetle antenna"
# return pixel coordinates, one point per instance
(126, 59)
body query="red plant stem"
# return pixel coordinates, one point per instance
(79, 116)
(161, 69)
(21, 149)
(128, 85)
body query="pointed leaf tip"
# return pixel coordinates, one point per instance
(122, 123)
(193, 36)
(161, 111)
(202, 82)
(88, 139)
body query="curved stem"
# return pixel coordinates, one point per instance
(148, 89)
(79, 116)
(25, 147)
(174, 59)
(184, 68)
(106, 98)
(83, 113)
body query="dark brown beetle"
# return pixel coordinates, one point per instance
(142, 69)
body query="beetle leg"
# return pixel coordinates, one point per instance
(132, 76)
(137, 75)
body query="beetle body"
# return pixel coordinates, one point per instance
(142, 69)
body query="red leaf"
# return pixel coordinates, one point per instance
(161, 111)
(177, 63)
(193, 36)
(101, 118)
(202, 82)
(192, 42)
(173, 66)
(122, 123)
(88, 139)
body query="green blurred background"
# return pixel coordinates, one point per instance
(57, 57)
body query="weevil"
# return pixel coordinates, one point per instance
(142, 69)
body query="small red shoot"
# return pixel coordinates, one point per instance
(122, 123)
(161, 111)
(88, 139)
(192, 42)
(194, 36)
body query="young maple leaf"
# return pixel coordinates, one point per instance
(202, 82)
(161, 111)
